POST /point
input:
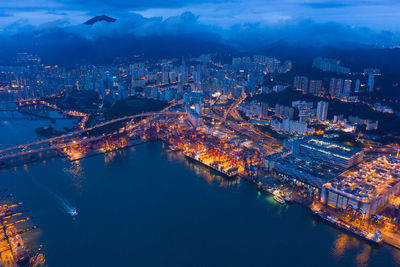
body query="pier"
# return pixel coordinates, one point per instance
(13, 251)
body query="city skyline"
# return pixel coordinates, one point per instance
(153, 133)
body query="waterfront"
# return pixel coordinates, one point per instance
(147, 206)
(17, 128)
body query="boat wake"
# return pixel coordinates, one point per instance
(68, 208)
(71, 210)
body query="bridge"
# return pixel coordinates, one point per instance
(48, 148)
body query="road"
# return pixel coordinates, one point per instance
(47, 143)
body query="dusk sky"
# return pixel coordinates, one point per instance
(378, 15)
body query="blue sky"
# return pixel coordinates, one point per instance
(377, 14)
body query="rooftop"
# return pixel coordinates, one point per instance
(309, 171)
(328, 145)
(368, 180)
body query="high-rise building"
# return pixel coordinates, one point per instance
(301, 82)
(264, 110)
(284, 111)
(315, 87)
(329, 64)
(237, 91)
(196, 76)
(332, 87)
(279, 88)
(322, 110)
(371, 81)
(347, 88)
(339, 87)
(375, 71)
(357, 86)
(165, 77)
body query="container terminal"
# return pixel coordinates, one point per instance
(13, 246)
(309, 171)
(315, 172)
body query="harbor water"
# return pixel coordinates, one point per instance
(148, 206)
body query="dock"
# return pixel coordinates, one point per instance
(391, 238)
(13, 251)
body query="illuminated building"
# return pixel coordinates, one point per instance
(301, 82)
(264, 110)
(347, 88)
(324, 150)
(315, 87)
(322, 110)
(301, 171)
(367, 187)
(194, 118)
(357, 86)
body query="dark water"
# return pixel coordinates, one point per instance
(145, 206)
(17, 128)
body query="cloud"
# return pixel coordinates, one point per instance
(134, 24)
(59, 42)
(308, 32)
(354, 12)
(241, 35)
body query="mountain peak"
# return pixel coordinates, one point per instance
(99, 18)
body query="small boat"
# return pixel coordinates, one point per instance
(288, 198)
(73, 212)
(279, 199)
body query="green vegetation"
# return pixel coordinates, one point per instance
(110, 128)
(47, 132)
(267, 129)
(133, 106)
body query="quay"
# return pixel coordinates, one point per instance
(228, 152)
(13, 251)
(63, 145)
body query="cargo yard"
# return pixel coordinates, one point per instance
(364, 200)
(13, 248)
(92, 146)
(342, 187)
(221, 151)
(369, 186)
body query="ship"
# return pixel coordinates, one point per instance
(375, 238)
(278, 199)
(73, 212)
(264, 188)
(229, 173)
(288, 198)
(175, 148)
